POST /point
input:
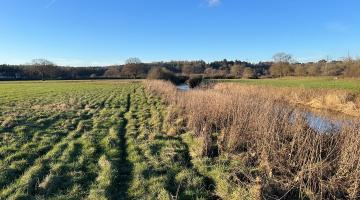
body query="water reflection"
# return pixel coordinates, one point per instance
(322, 124)
(183, 87)
(323, 121)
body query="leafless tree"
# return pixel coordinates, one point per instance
(237, 70)
(248, 73)
(283, 58)
(133, 61)
(281, 66)
(112, 72)
(45, 68)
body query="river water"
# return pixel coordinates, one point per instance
(183, 87)
(323, 121)
(319, 120)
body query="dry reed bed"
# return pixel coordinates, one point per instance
(258, 126)
(336, 100)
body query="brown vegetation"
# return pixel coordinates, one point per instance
(342, 101)
(279, 155)
(158, 73)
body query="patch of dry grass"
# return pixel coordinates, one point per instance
(278, 152)
(343, 101)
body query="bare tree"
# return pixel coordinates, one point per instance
(112, 72)
(187, 69)
(248, 73)
(45, 68)
(283, 58)
(237, 70)
(133, 61)
(314, 70)
(134, 71)
(300, 70)
(281, 66)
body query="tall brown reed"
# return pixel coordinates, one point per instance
(259, 125)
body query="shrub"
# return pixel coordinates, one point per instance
(249, 73)
(163, 74)
(195, 81)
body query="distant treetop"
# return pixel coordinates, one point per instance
(133, 61)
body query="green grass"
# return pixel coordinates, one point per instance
(302, 82)
(160, 163)
(113, 140)
(59, 139)
(91, 140)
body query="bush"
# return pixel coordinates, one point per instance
(249, 73)
(163, 74)
(194, 81)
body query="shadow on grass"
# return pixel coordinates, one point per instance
(124, 166)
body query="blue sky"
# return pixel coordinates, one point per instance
(103, 32)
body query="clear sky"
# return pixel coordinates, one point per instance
(102, 32)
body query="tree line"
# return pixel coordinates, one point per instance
(282, 65)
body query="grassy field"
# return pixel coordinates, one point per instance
(146, 140)
(304, 82)
(90, 140)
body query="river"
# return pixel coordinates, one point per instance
(183, 87)
(320, 120)
(324, 121)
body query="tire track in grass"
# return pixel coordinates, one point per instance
(58, 180)
(136, 187)
(38, 136)
(31, 130)
(43, 163)
(89, 160)
(124, 166)
(88, 166)
(183, 181)
(25, 133)
(109, 160)
(37, 171)
(14, 169)
(189, 166)
(105, 142)
(208, 183)
(25, 186)
(22, 129)
(62, 174)
(152, 170)
(115, 170)
(17, 163)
